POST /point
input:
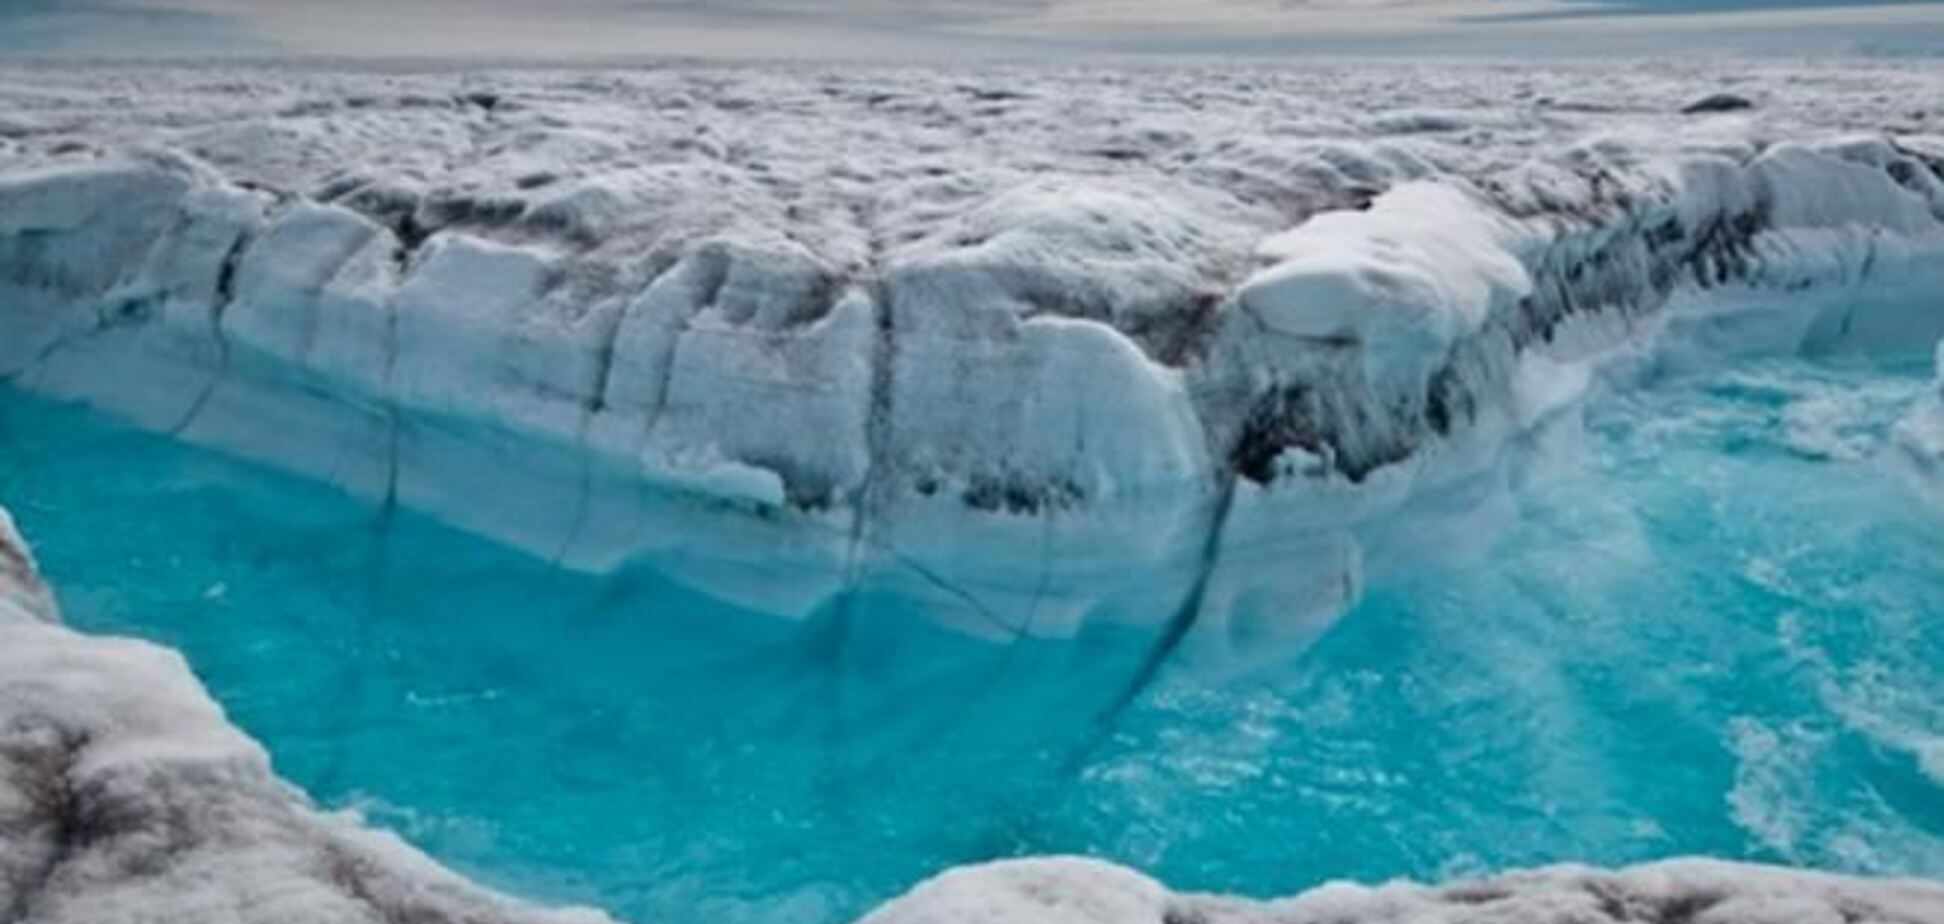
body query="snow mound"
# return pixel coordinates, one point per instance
(1063, 890)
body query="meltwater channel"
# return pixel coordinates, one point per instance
(1710, 623)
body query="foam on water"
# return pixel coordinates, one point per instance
(1713, 623)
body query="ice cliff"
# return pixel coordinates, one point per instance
(1031, 347)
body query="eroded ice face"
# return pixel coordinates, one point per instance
(1709, 626)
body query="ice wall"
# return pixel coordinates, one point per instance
(1028, 397)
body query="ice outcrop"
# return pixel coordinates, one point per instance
(1163, 356)
(126, 797)
(1079, 891)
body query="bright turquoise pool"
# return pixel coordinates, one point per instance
(1717, 628)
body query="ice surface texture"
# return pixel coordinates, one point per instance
(1031, 347)
(1077, 891)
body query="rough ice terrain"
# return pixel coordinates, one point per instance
(1078, 891)
(1030, 347)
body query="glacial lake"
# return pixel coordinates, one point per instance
(1713, 623)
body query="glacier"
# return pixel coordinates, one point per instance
(1030, 347)
(1177, 355)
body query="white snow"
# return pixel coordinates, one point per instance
(1071, 890)
(1400, 283)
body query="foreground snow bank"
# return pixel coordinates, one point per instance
(1081, 891)
(125, 797)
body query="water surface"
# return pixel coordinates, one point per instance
(1716, 626)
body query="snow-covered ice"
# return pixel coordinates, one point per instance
(1022, 344)
(1063, 890)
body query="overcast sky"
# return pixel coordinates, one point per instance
(926, 28)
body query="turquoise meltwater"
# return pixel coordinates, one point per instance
(1714, 624)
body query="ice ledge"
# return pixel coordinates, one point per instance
(1069, 396)
(1685, 891)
